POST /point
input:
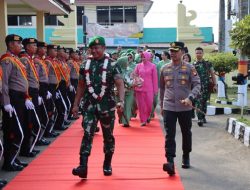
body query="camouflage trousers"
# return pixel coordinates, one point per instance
(201, 103)
(91, 116)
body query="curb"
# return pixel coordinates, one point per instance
(239, 131)
(213, 110)
(225, 102)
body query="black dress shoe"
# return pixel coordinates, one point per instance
(54, 133)
(27, 154)
(36, 151)
(81, 171)
(107, 170)
(66, 122)
(2, 185)
(24, 164)
(43, 142)
(51, 134)
(3, 181)
(62, 128)
(185, 163)
(169, 168)
(12, 167)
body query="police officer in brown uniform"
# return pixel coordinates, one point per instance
(44, 93)
(54, 81)
(16, 101)
(26, 57)
(2, 181)
(74, 75)
(176, 97)
(63, 86)
(54, 78)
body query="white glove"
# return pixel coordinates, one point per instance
(8, 108)
(29, 105)
(57, 95)
(71, 88)
(40, 100)
(49, 95)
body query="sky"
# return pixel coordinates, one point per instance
(163, 13)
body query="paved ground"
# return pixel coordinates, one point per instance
(219, 162)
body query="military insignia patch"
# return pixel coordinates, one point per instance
(97, 41)
(32, 40)
(16, 38)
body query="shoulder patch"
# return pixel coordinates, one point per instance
(7, 61)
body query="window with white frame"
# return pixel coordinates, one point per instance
(108, 15)
(20, 20)
(79, 14)
(51, 20)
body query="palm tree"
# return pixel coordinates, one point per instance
(222, 26)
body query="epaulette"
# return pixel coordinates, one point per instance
(5, 56)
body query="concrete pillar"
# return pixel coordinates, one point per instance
(40, 26)
(4, 25)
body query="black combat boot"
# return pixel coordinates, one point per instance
(107, 169)
(185, 161)
(200, 123)
(169, 166)
(82, 169)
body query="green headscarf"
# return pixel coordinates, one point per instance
(122, 62)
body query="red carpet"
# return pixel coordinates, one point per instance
(137, 162)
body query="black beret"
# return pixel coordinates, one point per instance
(97, 40)
(41, 44)
(67, 50)
(73, 51)
(12, 37)
(51, 46)
(29, 41)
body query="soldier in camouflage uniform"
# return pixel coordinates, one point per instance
(204, 70)
(97, 79)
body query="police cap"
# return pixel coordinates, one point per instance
(176, 46)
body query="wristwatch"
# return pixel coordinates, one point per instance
(190, 98)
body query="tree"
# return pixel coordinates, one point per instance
(223, 63)
(240, 40)
(240, 36)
